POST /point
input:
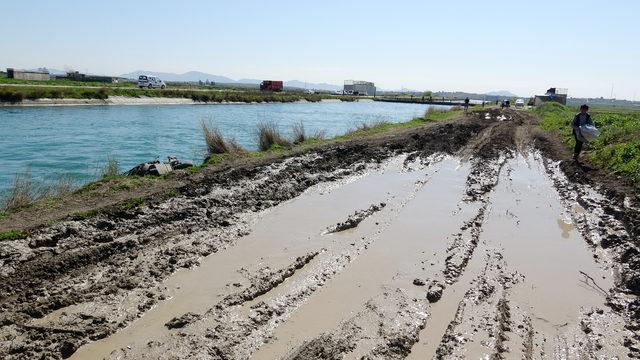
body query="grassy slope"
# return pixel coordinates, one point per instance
(617, 150)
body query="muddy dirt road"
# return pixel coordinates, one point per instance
(471, 238)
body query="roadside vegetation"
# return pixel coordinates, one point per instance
(617, 149)
(300, 136)
(110, 170)
(219, 149)
(16, 94)
(13, 235)
(25, 191)
(270, 138)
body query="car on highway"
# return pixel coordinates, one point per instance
(150, 82)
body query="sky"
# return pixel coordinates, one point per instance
(587, 46)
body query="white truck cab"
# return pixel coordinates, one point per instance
(150, 82)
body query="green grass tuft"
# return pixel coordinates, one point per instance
(85, 215)
(270, 138)
(171, 193)
(134, 203)
(26, 192)
(13, 235)
(110, 170)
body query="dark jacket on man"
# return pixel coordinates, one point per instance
(579, 120)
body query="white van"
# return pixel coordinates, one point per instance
(519, 103)
(150, 82)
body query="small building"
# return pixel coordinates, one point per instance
(40, 75)
(77, 76)
(356, 87)
(553, 94)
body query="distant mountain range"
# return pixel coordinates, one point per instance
(504, 93)
(193, 76)
(186, 77)
(314, 86)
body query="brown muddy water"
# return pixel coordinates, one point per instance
(509, 261)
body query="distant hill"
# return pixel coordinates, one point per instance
(504, 93)
(190, 76)
(486, 96)
(312, 86)
(602, 102)
(193, 76)
(248, 81)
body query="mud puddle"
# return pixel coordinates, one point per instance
(441, 313)
(278, 235)
(495, 235)
(408, 246)
(533, 300)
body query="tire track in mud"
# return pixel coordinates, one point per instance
(386, 328)
(240, 330)
(386, 319)
(508, 329)
(490, 152)
(607, 228)
(481, 181)
(485, 301)
(513, 335)
(265, 282)
(483, 178)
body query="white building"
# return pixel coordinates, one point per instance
(355, 87)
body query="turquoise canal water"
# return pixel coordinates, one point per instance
(77, 140)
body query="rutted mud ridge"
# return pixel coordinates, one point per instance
(355, 219)
(242, 265)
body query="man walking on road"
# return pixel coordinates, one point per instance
(582, 118)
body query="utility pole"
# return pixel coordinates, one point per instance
(611, 91)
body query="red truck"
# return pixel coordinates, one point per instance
(271, 85)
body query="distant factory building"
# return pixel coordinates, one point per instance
(355, 87)
(41, 75)
(553, 94)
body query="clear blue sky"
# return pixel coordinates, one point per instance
(586, 46)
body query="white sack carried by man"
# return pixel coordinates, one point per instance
(589, 132)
